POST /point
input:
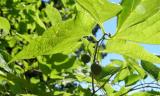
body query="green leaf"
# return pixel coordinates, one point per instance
(154, 92)
(100, 10)
(53, 14)
(5, 26)
(110, 69)
(58, 59)
(3, 62)
(121, 92)
(128, 7)
(65, 65)
(17, 82)
(68, 3)
(2, 77)
(132, 79)
(61, 38)
(34, 80)
(130, 49)
(143, 94)
(109, 89)
(6, 55)
(139, 19)
(151, 69)
(135, 66)
(54, 75)
(37, 19)
(45, 69)
(122, 75)
(28, 95)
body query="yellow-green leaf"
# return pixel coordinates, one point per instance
(53, 14)
(61, 38)
(5, 26)
(100, 10)
(130, 49)
(139, 21)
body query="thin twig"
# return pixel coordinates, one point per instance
(100, 45)
(93, 85)
(94, 60)
(107, 81)
(145, 84)
(140, 86)
(146, 87)
(95, 52)
(102, 85)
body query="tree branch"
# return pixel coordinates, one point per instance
(103, 84)
(94, 61)
(93, 85)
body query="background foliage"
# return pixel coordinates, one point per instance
(49, 47)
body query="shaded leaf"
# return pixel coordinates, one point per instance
(151, 68)
(131, 79)
(58, 58)
(45, 69)
(135, 66)
(109, 70)
(66, 65)
(17, 82)
(3, 63)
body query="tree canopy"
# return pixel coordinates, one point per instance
(50, 48)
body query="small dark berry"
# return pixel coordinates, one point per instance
(96, 69)
(85, 58)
